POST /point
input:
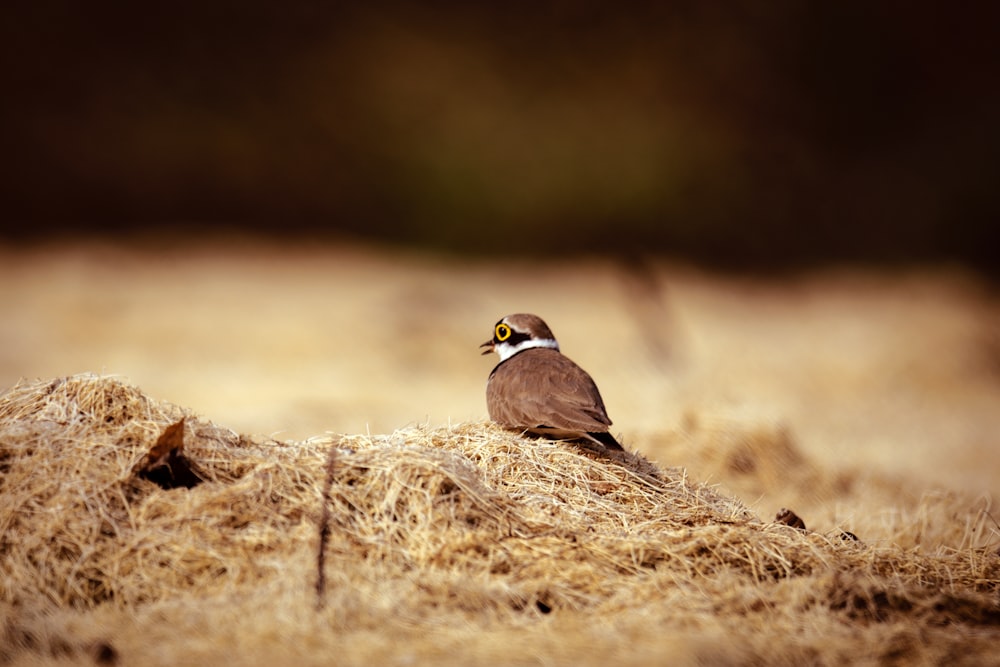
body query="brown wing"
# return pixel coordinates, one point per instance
(541, 387)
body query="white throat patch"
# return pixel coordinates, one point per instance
(506, 350)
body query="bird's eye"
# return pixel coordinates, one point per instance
(502, 332)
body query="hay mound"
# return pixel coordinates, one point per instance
(469, 525)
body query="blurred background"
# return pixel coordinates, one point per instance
(756, 135)
(769, 231)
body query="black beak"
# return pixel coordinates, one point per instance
(488, 344)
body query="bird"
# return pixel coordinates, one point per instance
(538, 390)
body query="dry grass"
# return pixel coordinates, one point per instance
(457, 545)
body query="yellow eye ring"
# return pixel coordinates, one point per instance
(502, 332)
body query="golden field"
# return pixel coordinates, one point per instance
(866, 402)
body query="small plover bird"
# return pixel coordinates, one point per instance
(538, 390)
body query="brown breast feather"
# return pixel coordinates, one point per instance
(542, 387)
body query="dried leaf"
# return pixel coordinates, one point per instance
(790, 518)
(165, 465)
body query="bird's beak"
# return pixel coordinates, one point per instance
(487, 344)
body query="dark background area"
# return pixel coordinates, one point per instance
(758, 135)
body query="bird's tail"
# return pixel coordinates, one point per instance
(606, 439)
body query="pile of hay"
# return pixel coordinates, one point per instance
(455, 545)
